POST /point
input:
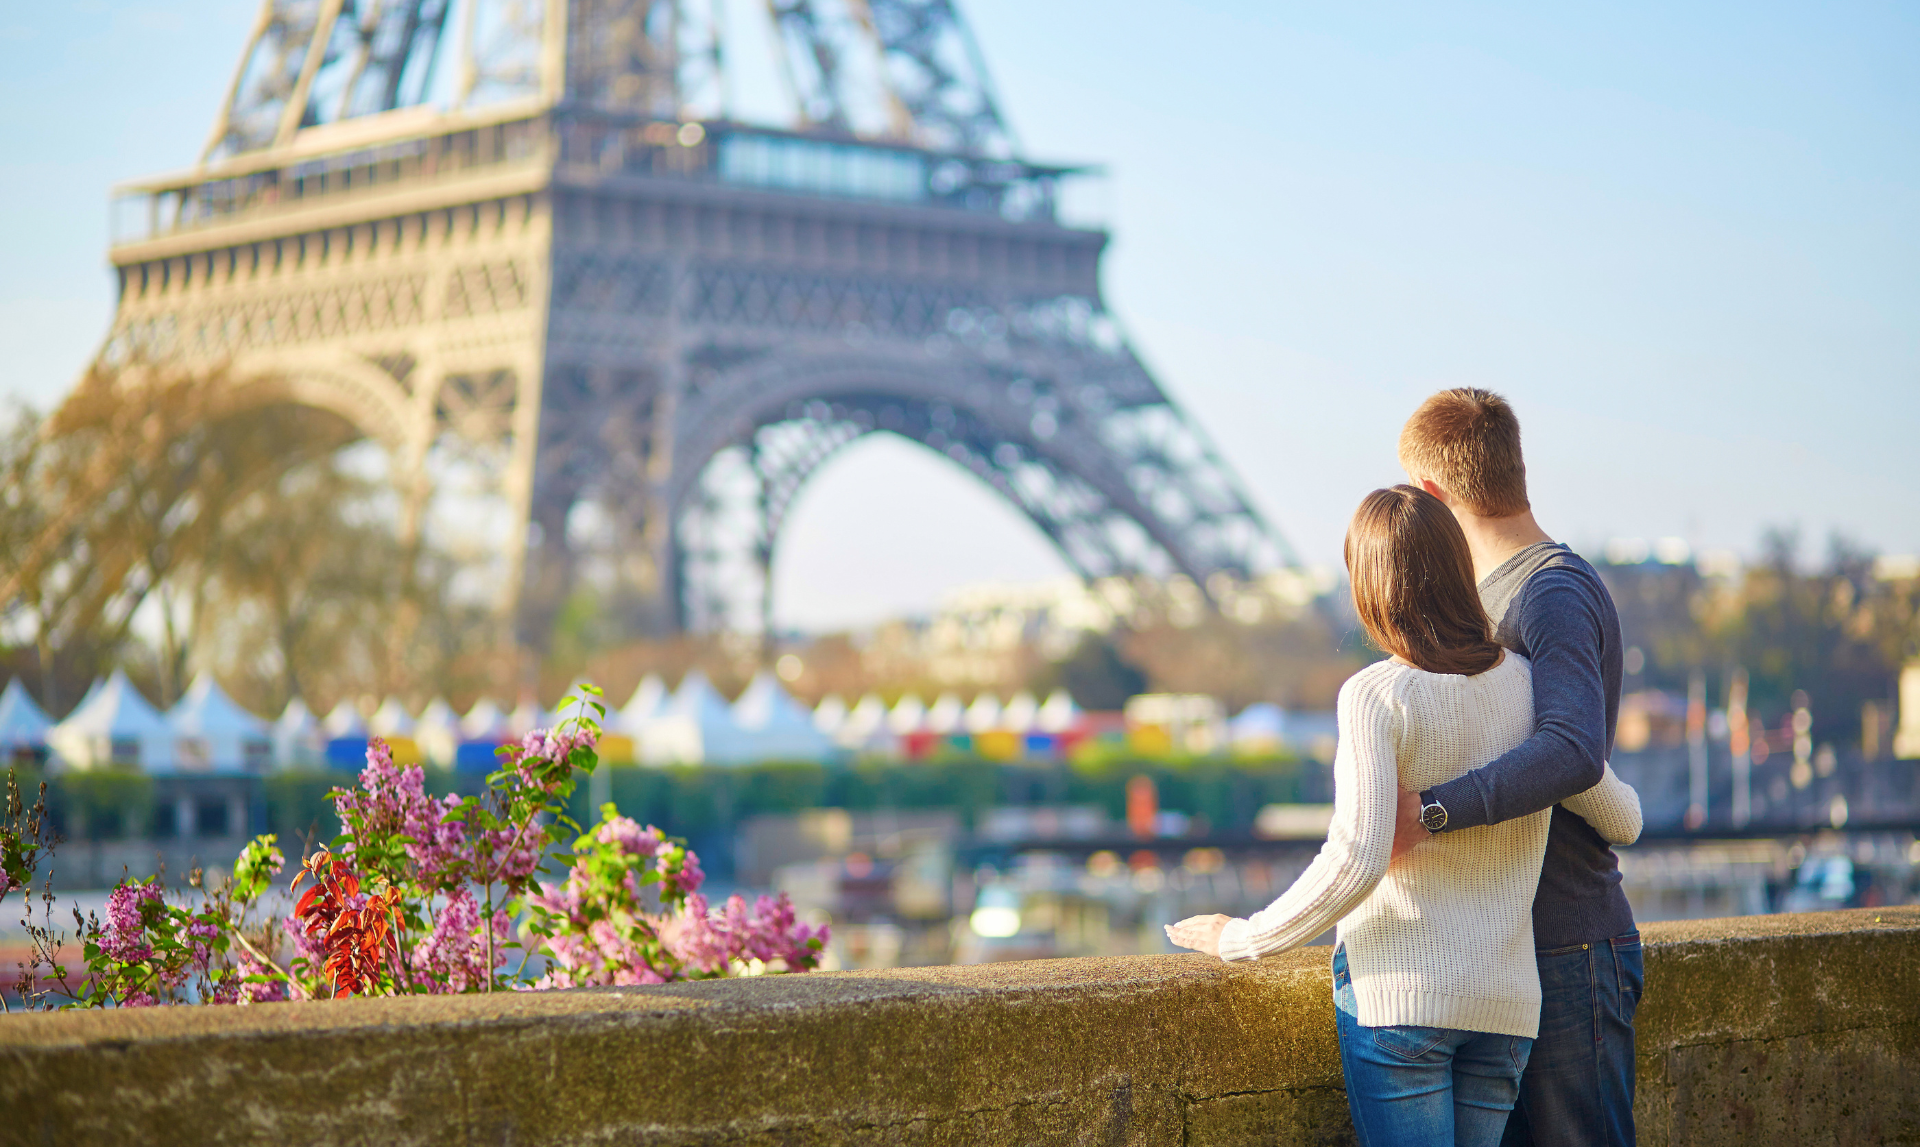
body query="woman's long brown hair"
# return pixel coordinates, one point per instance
(1413, 583)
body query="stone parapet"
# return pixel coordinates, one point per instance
(1778, 1029)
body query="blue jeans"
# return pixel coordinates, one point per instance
(1420, 1085)
(1578, 1090)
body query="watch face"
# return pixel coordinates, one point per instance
(1434, 817)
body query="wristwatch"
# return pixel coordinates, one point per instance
(1432, 813)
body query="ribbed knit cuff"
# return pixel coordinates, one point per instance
(1233, 941)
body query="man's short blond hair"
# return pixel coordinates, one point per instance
(1468, 440)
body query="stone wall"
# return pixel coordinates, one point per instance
(1773, 1030)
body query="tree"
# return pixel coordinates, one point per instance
(251, 545)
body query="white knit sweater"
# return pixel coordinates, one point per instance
(1445, 937)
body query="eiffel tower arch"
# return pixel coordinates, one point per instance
(566, 286)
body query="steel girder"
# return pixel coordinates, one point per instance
(1119, 490)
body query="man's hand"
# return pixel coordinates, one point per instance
(1201, 933)
(1407, 829)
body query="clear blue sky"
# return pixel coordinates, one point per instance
(1685, 239)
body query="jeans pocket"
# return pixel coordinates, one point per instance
(1519, 1050)
(1407, 1041)
(1629, 969)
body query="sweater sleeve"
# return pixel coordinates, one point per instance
(1611, 807)
(1366, 774)
(1560, 621)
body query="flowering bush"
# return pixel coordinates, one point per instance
(418, 895)
(597, 929)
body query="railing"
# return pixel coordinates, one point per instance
(719, 152)
(1783, 1029)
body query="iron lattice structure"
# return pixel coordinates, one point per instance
(562, 285)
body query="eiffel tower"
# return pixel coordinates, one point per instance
(619, 329)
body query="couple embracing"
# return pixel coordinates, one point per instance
(1487, 968)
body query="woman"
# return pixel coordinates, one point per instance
(1435, 985)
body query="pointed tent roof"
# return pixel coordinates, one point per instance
(830, 714)
(909, 715)
(1058, 714)
(764, 704)
(983, 716)
(344, 721)
(527, 716)
(297, 737)
(296, 720)
(774, 725)
(21, 721)
(697, 698)
(116, 709)
(946, 715)
(99, 683)
(391, 719)
(649, 697)
(206, 711)
(696, 725)
(868, 717)
(1021, 712)
(437, 732)
(438, 716)
(484, 722)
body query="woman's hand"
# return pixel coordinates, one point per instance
(1201, 933)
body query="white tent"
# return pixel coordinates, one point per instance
(695, 726)
(437, 732)
(1260, 728)
(484, 722)
(866, 728)
(775, 727)
(23, 726)
(830, 714)
(1058, 714)
(298, 739)
(344, 723)
(1021, 714)
(527, 716)
(947, 714)
(649, 697)
(115, 726)
(909, 715)
(983, 716)
(213, 734)
(391, 719)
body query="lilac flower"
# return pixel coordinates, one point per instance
(125, 937)
(453, 958)
(269, 992)
(199, 933)
(685, 876)
(139, 1000)
(392, 800)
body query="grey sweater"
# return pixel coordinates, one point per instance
(1549, 606)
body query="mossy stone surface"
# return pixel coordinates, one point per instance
(1794, 1029)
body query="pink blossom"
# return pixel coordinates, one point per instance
(199, 933)
(687, 877)
(453, 958)
(391, 800)
(139, 1000)
(125, 937)
(699, 941)
(304, 946)
(262, 993)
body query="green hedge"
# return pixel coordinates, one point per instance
(698, 800)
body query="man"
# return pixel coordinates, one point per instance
(1548, 605)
